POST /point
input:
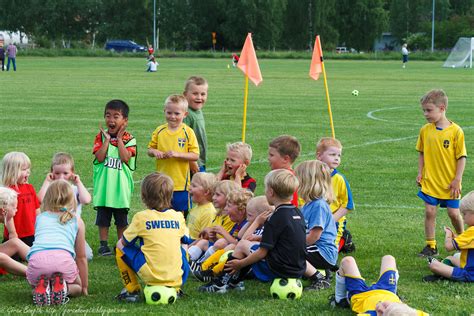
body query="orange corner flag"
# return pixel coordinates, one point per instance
(248, 62)
(316, 68)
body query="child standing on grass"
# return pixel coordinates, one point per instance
(15, 173)
(282, 153)
(281, 253)
(457, 268)
(315, 189)
(62, 167)
(441, 163)
(57, 263)
(174, 145)
(235, 166)
(115, 152)
(151, 65)
(195, 92)
(158, 259)
(378, 299)
(329, 151)
(13, 246)
(203, 212)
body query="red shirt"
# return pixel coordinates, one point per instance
(113, 141)
(25, 217)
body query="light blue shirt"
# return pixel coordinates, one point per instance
(50, 234)
(318, 214)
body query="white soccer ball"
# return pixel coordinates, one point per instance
(157, 294)
(355, 93)
(285, 289)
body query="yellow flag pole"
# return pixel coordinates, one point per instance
(329, 101)
(246, 93)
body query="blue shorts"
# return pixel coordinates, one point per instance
(435, 201)
(405, 58)
(260, 269)
(135, 259)
(462, 275)
(387, 281)
(202, 168)
(180, 201)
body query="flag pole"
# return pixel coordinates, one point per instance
(246, 93)
(328, 99)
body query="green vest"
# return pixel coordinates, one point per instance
(113, 179)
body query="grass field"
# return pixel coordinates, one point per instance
(56, 104)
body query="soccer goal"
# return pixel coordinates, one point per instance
(461, 54)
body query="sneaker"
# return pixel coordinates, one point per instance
(213, 287)
(319, 284)
(203, 276)
(41, 293)
(428, 252)
(125, 296)
(58, 287)
(240, 286)
(194, 266)
(104, 251)
(328, 275)
(433, 278)
(349, 245)
(344, 303)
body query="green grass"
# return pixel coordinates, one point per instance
(56, 104)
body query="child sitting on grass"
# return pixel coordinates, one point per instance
(207, 236)
(158, 259)
(281, 253)
(315, 189)
(454, 267)
(203, 212)
(378, 299)
(235, 166)
(13, 246)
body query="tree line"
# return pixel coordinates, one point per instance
(275, 24)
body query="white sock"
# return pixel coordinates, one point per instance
(194, 253)
(208, 253)
(341, 290)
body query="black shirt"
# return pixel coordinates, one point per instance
(285, 238)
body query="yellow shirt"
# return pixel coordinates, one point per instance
(465, 243)
(441, 150)
(184, 141)
(200, 217)
(160, 234)
(342, 192)
(224, 221)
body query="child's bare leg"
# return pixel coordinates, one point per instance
(103, 233)
(310, 270)
(220, 244)
(430, 221)
(388, 263)
(242, 249)
(120, 231)
(349, 266)
(75, 289)
(456, 260)
(14, 246)
(456, 219)
(11, 265)
(440, 268)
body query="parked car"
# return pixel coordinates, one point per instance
(343, 50)
(124, 46)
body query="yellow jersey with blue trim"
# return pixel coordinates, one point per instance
(200, 217)
(159, 236)
(465, 243)
(342, 192)
(183, 140)
(441, 149)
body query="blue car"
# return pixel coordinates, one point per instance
(124, 46)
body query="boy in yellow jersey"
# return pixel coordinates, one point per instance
(174, 145)
(159, 258)
(329, 151)
(441, 163)
(458, 268)
(377, 299)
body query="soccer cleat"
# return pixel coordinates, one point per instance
(433, 278)
(203, 276)
(428, 252)
(344, 303)
(104, 251)
(431, 259)
(349, 245)
(213, 287)
(319, 284)
(41, 293)
(125, 296)
(194, 266)
(239, 286)
(58, 287)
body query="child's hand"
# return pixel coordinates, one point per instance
(233, 266)
(262, 217)
(241, 171)
(171, 154)
(455, 188)
(193, 166)
(448, 231)
(121, 131)
(158, 154)
(85, 292)
(49, 177)
(253, 238)
(223, 171)
(75, 179)
(106, 134)
(218, 230)
(418, 179)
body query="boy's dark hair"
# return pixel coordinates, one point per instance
(286, 145)
(117, 105)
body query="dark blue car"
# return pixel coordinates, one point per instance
(124, 46)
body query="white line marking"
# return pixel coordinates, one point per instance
(389, 206)
(371, 113)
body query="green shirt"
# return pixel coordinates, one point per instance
(113, 179)
(195, 120)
